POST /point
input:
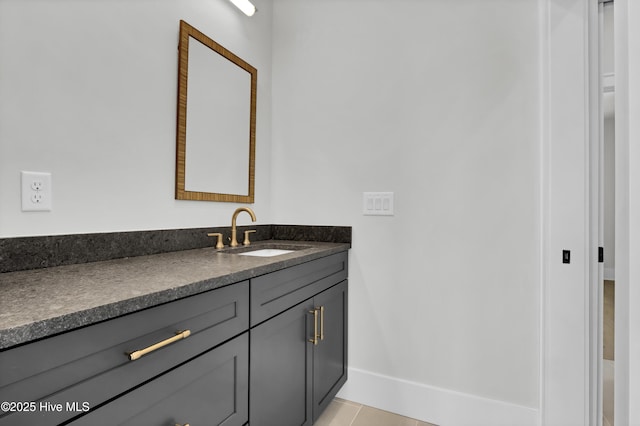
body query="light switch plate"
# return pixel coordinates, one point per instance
(36, 191)
(377, 203)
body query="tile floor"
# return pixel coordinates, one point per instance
(608, 374)
(346, 413)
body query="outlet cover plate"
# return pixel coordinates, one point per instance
(36, 191)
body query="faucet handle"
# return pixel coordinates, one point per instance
(246, 236)
(219, 244)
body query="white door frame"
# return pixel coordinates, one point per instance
(570, 370)
(627, 311)
(567, 339)
(596, 185)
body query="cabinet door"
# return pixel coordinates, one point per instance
(280, 369)
(330, 354)
(211, 389)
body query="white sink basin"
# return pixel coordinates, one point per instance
(265, 252)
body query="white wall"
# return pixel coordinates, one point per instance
(88, 93)
(439, 102)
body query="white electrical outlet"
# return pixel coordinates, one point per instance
(377, 203)
(36, 191)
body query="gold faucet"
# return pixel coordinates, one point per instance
(234, 241)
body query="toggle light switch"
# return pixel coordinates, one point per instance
(377, 203)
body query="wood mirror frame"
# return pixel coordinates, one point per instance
(183, 193)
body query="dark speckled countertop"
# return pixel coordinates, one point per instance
(43, 302)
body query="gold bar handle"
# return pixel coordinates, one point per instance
(321, 322)
(179, 336)
(315, 326)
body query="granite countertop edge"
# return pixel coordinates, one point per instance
(88, 312)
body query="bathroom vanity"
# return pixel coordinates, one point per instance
(192, 337)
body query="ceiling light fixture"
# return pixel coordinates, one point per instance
(245, 6)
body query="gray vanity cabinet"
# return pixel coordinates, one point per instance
(281, 370)
(212, 389)
(268, 351)
(63, 376)
(298, 359)
(292, 379)
(330, 354)
(278, 291)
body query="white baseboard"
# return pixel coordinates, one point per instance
(431, 404)
(609, 274)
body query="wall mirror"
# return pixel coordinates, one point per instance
(215, 155)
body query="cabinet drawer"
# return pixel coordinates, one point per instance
(92, 364)
(212, 389)
(274, 293)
